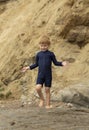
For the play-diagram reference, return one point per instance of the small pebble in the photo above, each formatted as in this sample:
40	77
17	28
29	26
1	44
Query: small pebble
12	123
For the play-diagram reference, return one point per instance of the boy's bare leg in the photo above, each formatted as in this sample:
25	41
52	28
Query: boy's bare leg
47	90
39	91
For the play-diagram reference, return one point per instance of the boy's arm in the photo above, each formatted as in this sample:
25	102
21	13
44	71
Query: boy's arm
31	66
57	63
34	65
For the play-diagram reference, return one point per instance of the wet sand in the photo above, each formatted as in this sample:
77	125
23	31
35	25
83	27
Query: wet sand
13	116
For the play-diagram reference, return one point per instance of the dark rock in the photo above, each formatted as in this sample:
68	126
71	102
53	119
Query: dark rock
72	36
3	0
78	36
12	123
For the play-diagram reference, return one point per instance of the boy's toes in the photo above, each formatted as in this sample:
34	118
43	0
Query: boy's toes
48	107
41	104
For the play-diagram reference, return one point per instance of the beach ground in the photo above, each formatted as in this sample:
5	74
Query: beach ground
14	116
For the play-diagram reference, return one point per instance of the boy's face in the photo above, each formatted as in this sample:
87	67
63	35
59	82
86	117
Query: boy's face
44	47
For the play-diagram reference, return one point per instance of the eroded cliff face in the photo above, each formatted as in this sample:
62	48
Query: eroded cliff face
23	22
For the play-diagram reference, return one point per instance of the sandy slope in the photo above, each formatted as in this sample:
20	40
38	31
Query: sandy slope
21	25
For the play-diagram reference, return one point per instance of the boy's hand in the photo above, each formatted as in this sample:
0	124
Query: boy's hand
25	68
64	63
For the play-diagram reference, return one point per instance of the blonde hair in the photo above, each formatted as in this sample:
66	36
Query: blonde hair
45	40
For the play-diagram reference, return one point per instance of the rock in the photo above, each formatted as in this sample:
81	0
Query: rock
72	36
70	105
23	99
12	123
78	36
3	0
77	94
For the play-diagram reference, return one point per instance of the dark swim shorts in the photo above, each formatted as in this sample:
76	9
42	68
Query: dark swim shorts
44	80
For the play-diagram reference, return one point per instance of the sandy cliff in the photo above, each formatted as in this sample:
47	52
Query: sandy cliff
21	25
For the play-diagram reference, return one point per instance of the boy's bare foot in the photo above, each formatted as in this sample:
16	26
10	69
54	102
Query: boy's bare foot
41	104
48	107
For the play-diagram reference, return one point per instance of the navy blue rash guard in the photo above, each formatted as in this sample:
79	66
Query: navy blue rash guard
44	61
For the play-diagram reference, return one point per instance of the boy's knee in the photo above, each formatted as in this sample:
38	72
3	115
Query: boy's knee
38	88
47	90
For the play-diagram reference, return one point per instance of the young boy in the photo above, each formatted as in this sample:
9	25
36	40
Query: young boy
44	60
